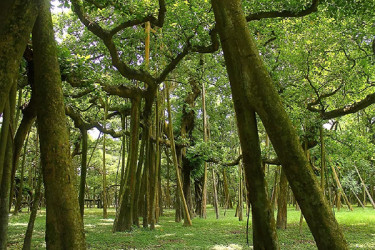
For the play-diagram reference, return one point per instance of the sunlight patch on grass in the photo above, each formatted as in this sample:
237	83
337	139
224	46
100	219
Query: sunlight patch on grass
365	246
18	224
359	224
105	224
164	235
110	220
230	247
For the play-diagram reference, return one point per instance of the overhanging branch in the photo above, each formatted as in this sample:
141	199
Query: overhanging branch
284	13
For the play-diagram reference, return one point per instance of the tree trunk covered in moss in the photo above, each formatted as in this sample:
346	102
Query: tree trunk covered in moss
28	119
252	88
64	225
138	185
152	178
282	204
124	216
155	154
145	185
4	137
82	183
16	22
124	150
7	166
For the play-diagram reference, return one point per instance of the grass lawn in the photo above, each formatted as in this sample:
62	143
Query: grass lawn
224	233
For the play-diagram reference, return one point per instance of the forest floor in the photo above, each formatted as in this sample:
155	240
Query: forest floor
225	233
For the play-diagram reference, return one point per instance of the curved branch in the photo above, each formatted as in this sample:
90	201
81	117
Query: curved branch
106	37
284	13
310	105
172	65
349	109
225	164
214	46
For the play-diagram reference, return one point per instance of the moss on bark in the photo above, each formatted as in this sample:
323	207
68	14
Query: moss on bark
251	81
64	225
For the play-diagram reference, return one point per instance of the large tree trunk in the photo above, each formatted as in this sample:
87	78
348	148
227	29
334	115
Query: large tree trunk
64	225
28	119
252	88
17	18
124	217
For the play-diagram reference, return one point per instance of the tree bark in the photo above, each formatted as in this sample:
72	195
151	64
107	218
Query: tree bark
252	88
124	217
137	195
64	225
282	205
155	184
104	174
82	184
7	167
322	159
17	18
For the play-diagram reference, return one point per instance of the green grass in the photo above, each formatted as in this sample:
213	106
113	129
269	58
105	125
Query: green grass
226	232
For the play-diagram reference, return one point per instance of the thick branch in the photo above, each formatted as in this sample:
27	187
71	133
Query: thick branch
172	65
214	46
106	37
226	164
83	125
80	94
310	105
349	109
285	13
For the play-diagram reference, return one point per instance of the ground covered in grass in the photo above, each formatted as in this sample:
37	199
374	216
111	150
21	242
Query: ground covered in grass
225	233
